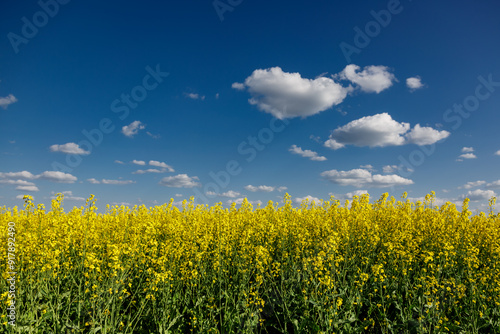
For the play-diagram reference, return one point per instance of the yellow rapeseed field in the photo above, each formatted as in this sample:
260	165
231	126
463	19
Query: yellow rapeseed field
385	266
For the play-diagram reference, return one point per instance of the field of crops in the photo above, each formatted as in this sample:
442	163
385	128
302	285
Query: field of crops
384	266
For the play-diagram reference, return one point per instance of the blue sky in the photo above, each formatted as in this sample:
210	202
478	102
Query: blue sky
138	103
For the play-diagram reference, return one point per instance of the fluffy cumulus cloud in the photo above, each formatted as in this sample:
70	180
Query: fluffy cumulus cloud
479	195
195	96
414	83
390	169
27	188
161	165
149	170
69	148
306	153
180	181
58	177
381	130
466	156
494	184
309	198
287	95
18	175
112	182
372	79
133	128
473	184
364	178
139	162
7	100
262	188
467	149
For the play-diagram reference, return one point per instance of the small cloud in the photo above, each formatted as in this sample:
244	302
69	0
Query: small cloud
282	188
217	96
117	182
119	162
494	184
364	178
7	100
27	188
367	167
18	175
356	193
161	164
306	153
68	195
259	188
69	148
139	162
12	141
466	156
93	181
230	193
497	152
180	181
58	177
309	198
178	195
195	96
133	128
467	149
389	169
372	79
238	86
414	83
149	170
479	195
152	135
472	184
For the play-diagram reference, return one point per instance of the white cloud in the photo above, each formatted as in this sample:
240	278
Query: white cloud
479	195
133	128
389	169
356	193
467	149
306	153
494	184
27	188
93	181
230	194
368	167
180	181
372	79
425	135
16	182
195	96
238	86
414	83
58	177
18	175
309	198
259	188
149	170
473	184
364	178
282	188
5	101
117	182
288	95
139	162
119	162
152	135
381	130
161	164
238	201
69	148
178	195
497	152
466	156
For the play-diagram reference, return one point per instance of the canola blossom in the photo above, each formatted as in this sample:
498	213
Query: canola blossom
387	266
